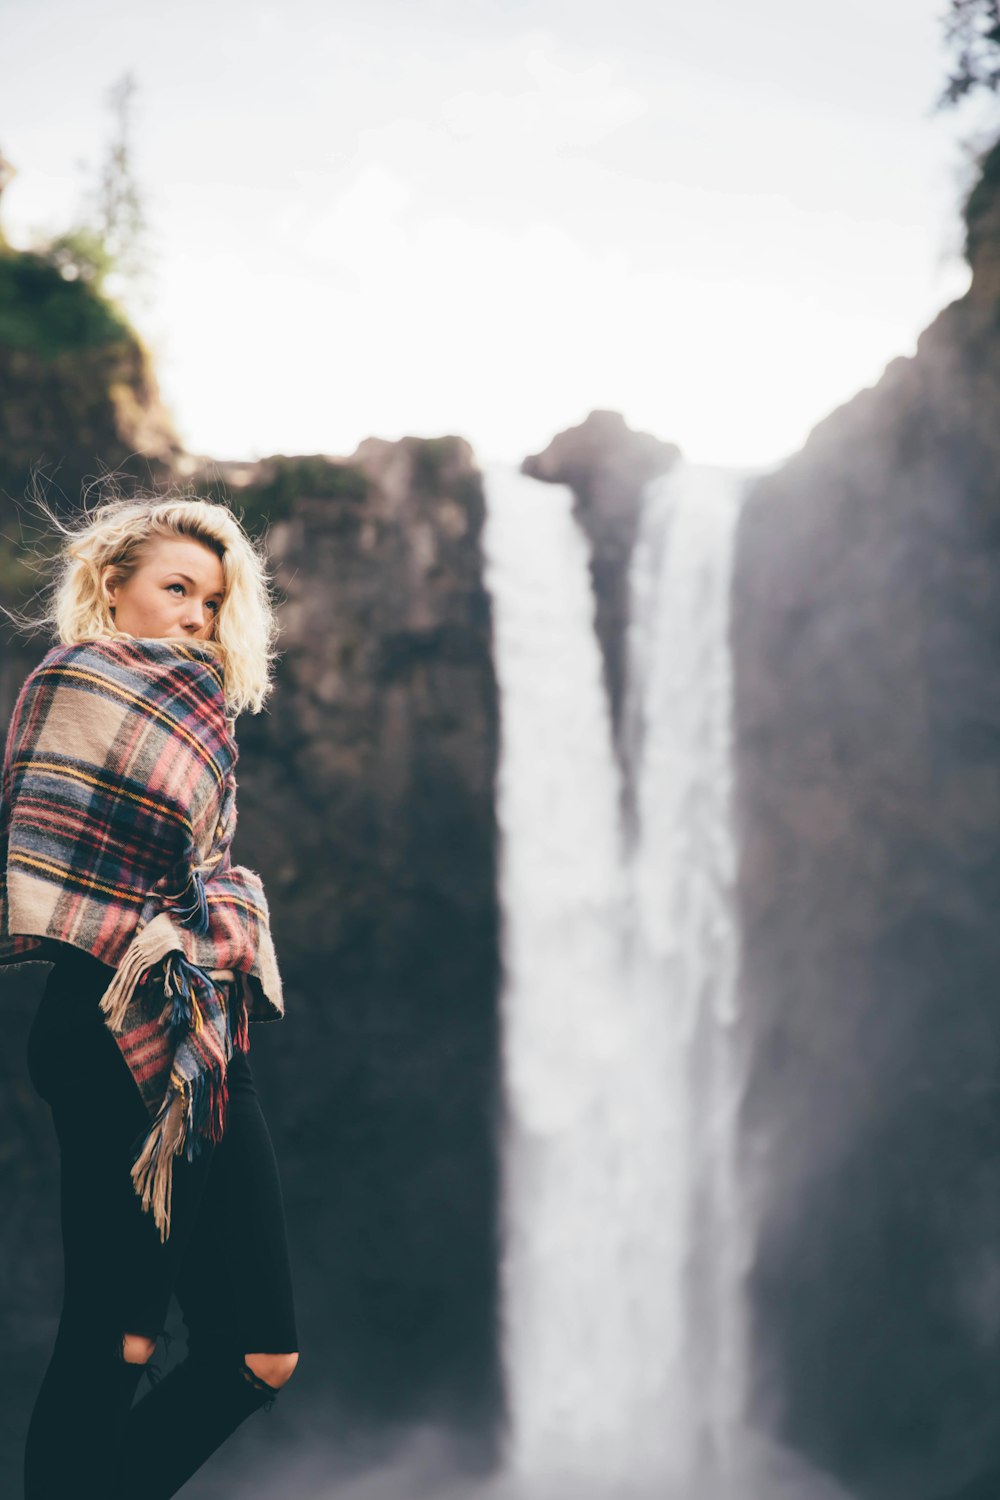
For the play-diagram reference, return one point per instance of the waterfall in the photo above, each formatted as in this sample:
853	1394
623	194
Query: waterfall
685	949
625	1238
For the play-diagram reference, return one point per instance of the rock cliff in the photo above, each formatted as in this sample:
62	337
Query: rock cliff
606	465
866	617
369	789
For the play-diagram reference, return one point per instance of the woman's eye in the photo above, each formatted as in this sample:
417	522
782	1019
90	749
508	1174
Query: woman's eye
213	603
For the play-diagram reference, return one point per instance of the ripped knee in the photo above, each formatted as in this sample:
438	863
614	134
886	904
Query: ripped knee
272	1369
136	1348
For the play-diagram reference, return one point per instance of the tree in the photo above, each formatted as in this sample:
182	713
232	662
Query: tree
110	239
972	28
7	173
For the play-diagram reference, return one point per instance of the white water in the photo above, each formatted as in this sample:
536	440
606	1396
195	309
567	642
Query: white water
625	1235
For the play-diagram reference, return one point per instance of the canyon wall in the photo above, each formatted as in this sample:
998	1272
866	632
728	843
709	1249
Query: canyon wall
865	632
367	791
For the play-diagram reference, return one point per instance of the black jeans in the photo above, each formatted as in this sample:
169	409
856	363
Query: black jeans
225	1260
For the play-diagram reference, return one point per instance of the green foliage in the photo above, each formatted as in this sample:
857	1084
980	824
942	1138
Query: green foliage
43	312
7	173
81	254
273	498
121	218
109	239
972	29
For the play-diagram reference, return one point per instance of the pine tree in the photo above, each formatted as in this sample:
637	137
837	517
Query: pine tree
110	238
972	28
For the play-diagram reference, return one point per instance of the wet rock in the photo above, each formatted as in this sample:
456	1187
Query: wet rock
866	616
606	464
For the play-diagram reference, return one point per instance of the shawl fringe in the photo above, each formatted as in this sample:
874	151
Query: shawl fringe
146	949
193	1109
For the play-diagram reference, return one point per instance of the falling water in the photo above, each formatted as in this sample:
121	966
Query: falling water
625	1239
685	938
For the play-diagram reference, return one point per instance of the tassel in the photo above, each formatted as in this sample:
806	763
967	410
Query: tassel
191	1112
193	913
214	1127
185	982
236	1013
146	948
152	1172
185	1014
241	1039
209	1098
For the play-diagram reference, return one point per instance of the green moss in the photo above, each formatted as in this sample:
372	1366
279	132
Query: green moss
42	312
314	477
273	499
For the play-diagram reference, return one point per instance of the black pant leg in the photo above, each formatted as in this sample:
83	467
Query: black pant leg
243	1221
234	1287
117	1276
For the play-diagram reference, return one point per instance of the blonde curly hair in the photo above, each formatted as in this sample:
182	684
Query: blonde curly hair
109	542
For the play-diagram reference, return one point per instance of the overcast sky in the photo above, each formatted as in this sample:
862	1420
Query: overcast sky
721	218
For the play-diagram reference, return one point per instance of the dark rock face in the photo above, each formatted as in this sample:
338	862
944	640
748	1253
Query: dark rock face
865	633
606	465
368	790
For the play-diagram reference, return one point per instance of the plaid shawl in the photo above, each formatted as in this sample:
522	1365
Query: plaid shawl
117	812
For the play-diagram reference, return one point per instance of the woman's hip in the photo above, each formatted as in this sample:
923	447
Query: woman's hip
68	1040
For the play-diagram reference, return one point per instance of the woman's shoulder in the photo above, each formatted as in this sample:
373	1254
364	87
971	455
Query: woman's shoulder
92	685
136	671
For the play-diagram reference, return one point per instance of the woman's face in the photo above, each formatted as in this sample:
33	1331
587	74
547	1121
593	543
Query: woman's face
177	591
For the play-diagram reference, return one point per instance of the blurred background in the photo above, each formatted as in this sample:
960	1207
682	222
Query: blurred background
615	391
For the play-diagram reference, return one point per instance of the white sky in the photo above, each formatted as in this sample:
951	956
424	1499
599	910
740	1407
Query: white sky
721	217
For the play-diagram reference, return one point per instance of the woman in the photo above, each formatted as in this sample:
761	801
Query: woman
117	811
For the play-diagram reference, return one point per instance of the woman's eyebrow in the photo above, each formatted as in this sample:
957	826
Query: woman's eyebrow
187	579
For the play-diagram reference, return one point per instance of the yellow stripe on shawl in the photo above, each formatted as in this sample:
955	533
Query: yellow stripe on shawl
206	662
137	700
93	779
27	862
227	899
